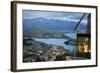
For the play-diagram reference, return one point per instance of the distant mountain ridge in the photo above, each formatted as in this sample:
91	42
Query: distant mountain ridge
50	24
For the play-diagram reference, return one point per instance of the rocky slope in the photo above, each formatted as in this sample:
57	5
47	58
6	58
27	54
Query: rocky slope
36	51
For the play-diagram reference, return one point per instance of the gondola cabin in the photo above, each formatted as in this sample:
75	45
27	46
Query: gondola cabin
83	45
83	48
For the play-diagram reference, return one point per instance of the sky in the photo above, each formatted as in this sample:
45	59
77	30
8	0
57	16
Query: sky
57	15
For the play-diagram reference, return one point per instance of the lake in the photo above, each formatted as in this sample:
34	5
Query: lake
59	42
71	35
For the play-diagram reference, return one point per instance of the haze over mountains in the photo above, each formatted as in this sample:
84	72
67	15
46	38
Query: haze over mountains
51	24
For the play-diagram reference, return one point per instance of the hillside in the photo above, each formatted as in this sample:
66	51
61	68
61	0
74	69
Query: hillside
36	51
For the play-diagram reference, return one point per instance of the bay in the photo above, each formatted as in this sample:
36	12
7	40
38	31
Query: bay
58	42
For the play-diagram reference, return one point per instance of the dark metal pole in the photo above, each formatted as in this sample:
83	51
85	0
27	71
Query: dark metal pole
89	24
79	22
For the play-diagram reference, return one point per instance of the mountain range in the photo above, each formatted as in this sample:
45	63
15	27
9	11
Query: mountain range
51	24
